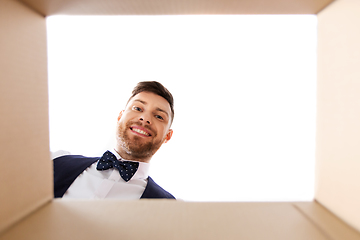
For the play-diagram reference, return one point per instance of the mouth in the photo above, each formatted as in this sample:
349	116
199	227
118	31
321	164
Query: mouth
140	131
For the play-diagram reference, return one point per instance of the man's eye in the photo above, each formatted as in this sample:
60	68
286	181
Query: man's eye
137	109
159	117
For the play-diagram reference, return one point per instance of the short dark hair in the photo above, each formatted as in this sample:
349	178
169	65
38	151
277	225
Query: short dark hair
158	89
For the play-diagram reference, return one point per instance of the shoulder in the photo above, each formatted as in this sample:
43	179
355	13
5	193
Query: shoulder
153	190
75	159
69	164
66	170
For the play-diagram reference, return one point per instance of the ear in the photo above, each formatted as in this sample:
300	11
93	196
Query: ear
120	115
168	135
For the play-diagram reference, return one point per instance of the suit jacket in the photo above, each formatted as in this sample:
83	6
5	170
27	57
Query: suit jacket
68	168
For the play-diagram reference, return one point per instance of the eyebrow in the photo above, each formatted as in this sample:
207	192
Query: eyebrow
157	109
160	110
143	102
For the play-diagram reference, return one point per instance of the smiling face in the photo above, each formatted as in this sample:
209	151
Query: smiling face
143	126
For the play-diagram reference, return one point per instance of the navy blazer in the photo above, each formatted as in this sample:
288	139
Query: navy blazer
68	168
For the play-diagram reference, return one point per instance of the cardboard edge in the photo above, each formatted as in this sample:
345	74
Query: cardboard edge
56	7
326	222
51	219
309	218
33	8
24	215
338	111
23	39
324	7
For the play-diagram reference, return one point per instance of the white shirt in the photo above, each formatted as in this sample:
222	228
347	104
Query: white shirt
95	184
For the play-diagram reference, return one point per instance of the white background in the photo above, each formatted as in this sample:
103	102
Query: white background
244	90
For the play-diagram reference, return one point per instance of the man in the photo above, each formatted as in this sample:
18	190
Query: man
122	173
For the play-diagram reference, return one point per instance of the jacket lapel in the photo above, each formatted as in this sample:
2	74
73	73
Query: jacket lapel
152	190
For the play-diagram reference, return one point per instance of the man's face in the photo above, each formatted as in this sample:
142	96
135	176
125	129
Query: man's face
143	126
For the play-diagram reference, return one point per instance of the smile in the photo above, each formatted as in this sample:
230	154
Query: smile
137	130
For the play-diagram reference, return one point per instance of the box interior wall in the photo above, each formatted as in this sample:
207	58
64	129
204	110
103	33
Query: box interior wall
26	170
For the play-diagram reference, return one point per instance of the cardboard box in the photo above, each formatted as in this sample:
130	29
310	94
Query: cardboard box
27	210
170	219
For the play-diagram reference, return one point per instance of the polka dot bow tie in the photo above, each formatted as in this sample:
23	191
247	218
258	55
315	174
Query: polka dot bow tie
126	169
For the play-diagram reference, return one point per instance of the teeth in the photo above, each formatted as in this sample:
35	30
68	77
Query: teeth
140	131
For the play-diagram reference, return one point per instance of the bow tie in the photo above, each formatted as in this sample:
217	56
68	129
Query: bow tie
127	169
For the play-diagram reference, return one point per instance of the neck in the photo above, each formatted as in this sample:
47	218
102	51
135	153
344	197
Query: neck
128	156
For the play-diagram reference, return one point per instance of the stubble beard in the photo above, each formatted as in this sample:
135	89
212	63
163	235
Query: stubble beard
135	147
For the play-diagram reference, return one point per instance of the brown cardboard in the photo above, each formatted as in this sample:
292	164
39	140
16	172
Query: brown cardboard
140	7
165	219
24	137
327	222
26	188
338	114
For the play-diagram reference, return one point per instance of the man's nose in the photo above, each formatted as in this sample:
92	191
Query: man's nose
145	118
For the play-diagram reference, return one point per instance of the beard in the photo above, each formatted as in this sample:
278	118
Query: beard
135	146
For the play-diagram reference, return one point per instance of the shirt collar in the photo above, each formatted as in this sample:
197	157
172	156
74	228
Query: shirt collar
143	169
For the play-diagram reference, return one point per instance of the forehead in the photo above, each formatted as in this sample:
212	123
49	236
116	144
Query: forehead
151	100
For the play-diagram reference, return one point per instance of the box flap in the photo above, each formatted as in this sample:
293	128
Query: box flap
25	166
165	219
159	7
338	111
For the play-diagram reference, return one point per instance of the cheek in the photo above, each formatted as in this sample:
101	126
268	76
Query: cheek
124	119
121	124
163	131
129	116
